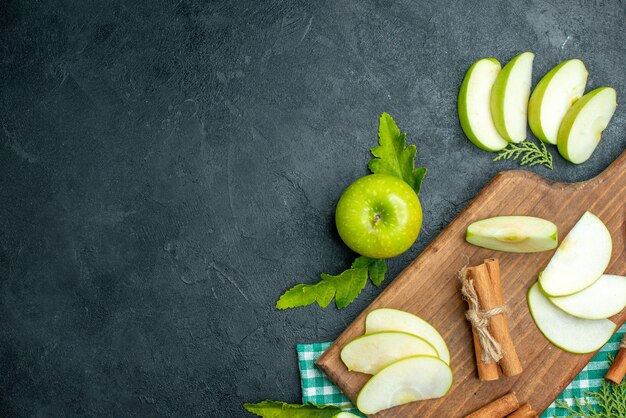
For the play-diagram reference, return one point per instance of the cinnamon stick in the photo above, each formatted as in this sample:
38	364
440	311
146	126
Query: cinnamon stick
489	291
487	370
499	408
618	368
524	411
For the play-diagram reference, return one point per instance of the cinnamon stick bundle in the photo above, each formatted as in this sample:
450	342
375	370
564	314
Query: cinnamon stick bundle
499	408
482	288
486	364
618	368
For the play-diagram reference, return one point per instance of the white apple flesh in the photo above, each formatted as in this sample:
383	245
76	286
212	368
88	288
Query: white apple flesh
603	299
553	96
408	380
372	352
387	319
509	97
345	415
582	126
474	105
514	234
580	260
569	333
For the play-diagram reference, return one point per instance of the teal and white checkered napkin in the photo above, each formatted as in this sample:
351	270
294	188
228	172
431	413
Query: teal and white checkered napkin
316	387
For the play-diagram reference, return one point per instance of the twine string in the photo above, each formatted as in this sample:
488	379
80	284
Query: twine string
491	349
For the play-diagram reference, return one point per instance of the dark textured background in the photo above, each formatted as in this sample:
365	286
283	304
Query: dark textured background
168	169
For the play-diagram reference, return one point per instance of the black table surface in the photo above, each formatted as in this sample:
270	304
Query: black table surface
168	169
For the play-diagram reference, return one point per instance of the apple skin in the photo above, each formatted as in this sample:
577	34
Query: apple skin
379	216
565	129
536	100
464	109
499	93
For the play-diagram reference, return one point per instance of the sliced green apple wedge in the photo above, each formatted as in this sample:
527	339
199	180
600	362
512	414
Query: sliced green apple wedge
603	299
372	352
580	260
553	96
509	97
569	333
582	126
474	105
514	234
387	319
408	380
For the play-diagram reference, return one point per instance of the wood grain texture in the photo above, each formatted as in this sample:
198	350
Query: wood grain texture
429	287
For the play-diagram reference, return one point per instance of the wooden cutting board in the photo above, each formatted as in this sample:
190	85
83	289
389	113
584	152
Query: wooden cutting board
429	287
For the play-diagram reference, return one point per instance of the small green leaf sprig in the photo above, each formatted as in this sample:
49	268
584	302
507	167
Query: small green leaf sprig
528	153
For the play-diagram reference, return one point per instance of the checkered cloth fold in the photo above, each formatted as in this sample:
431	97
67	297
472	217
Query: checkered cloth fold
316	387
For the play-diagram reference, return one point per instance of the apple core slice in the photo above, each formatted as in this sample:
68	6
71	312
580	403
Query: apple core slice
407	380
580	260
509	97
514	234
553	97
387	319
474	105
603	299
582	126
372	352
575	335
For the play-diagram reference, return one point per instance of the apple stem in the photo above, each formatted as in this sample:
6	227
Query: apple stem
377	219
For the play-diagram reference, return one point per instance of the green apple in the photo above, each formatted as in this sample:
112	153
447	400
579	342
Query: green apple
387	319
603	299
509	97
345	415
580	260
379	216
553	96
584	122
575	335
514	234
372	352
408	380
474	105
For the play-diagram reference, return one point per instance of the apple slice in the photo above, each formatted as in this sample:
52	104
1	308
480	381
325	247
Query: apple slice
474	105
387	319
553	97
514	234
407	380
372	352
575	335
345	415
582	126
580	260
509	97
603	299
